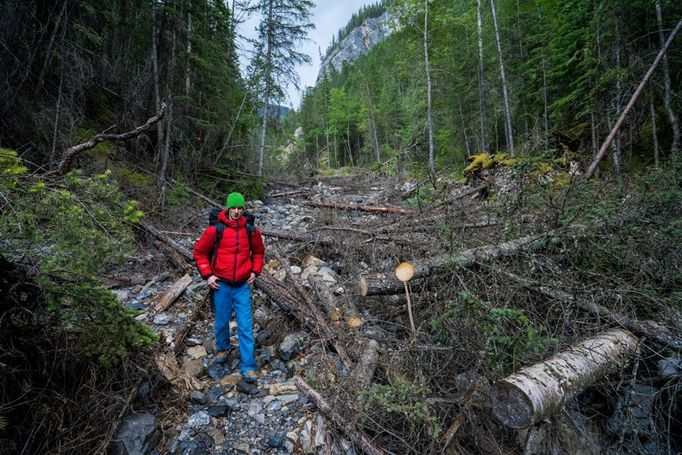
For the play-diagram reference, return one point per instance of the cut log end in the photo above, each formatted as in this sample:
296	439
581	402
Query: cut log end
362	286
511	406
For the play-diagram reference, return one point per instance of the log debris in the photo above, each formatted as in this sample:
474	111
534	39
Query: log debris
386	283
147	226
538	391
358	438
362	208
649	329
179	340
171	295
72	151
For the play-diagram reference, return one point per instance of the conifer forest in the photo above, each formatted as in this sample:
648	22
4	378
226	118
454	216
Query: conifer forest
472	223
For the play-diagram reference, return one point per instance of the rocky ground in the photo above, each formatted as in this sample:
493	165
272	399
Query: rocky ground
224	414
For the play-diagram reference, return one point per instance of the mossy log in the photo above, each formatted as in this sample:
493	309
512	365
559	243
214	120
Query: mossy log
538	391
387	283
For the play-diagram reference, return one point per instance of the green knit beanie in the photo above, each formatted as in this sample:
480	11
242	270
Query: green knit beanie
234	200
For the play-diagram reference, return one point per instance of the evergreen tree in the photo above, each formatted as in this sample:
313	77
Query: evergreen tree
284	25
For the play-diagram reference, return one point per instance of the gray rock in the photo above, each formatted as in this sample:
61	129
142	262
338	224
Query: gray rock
276	440
247	388
137	434
219	410
215	393
292	345
200	419
670	366
197	397
121	294
162	319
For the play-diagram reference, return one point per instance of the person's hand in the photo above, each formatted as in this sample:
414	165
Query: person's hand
251	279
213	282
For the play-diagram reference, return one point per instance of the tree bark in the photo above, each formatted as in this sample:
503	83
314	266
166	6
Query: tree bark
71	152
165	239
387	283
358	438
361	208
155	73
429	107
539	391
672	117
505	88
367	364
604	147
481	79
172	293
188	67
179	340
649	329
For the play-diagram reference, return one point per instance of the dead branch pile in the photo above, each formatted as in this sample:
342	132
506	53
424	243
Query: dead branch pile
477	320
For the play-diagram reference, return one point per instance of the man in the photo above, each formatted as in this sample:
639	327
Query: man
233	267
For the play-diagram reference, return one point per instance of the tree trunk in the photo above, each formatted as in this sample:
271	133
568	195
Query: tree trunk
505	88
266	94
53	151
364	371
654	132
481	80
155	74
674	124
429	107
188	67
539	391
165	157
387	283
362	208
631	103
172	293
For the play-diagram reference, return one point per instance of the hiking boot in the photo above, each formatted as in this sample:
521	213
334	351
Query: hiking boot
250	376
221	356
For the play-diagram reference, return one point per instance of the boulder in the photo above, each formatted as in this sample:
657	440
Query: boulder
137	434
292	345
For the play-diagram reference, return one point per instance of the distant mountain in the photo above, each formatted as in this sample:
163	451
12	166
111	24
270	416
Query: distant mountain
358	42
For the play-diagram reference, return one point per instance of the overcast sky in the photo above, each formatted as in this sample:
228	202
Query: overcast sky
328	16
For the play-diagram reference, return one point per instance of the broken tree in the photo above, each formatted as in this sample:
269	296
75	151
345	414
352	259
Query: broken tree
538	391
387	283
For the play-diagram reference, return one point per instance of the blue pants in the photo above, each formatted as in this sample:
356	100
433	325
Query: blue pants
226	298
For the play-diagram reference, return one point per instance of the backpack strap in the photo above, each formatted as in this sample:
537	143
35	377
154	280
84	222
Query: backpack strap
219	228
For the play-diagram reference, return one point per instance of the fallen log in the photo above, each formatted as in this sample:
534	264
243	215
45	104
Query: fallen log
361	208
71	152
364	371
538	391
304	237
179	340
358	438
173	256
387	283
147	226
650	329
171	295
289	193
199	195
311	308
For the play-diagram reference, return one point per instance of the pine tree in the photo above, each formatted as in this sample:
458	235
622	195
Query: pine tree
284	25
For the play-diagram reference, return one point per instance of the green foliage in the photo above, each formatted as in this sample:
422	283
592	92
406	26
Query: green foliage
71	229
510	336
401	397
178	194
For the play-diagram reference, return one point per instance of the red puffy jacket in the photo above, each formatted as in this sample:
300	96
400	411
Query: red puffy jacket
234	260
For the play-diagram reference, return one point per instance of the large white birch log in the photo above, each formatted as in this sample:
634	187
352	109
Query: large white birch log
538	391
